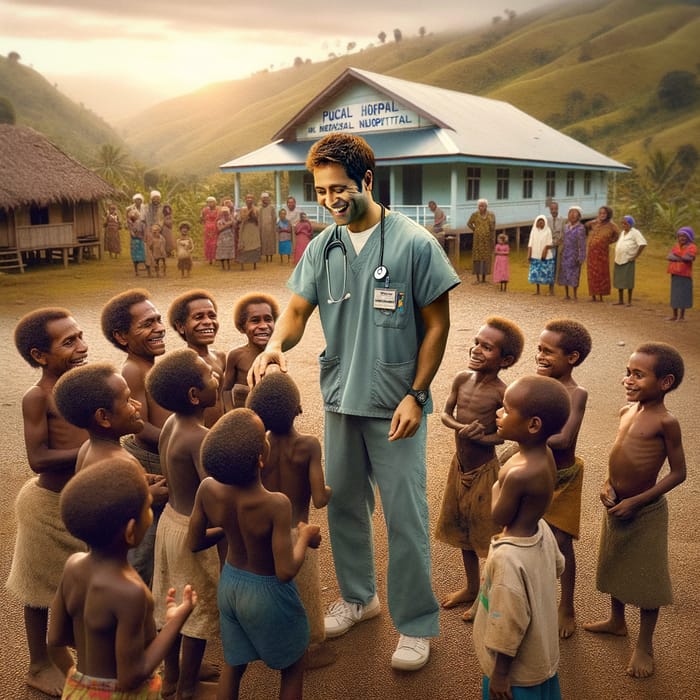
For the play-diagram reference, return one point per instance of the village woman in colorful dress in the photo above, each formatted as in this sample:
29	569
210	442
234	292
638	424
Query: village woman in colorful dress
680	267
573	253
112	228
209	216
602	233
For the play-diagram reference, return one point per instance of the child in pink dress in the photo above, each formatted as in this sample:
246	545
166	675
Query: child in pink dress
501	266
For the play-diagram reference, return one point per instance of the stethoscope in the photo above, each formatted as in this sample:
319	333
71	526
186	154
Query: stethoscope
380	272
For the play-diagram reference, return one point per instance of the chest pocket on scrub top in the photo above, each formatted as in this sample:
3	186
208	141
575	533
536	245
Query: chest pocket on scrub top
396	317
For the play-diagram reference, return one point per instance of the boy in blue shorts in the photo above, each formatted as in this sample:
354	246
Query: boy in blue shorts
261	615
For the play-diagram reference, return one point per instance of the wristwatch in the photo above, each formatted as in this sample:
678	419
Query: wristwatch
420	395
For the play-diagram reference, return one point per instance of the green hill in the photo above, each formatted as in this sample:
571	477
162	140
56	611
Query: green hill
75	129
591	69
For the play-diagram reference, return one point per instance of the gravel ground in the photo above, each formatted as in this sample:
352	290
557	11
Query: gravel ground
591	666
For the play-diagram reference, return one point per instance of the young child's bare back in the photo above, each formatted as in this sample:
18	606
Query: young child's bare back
294	467
102	607
261	560
185	383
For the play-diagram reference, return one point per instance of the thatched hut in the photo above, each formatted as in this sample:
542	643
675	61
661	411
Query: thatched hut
48	201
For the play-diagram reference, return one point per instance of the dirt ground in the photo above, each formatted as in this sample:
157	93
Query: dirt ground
591	666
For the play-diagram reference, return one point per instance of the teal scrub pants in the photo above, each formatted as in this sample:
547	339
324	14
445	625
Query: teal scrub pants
359	457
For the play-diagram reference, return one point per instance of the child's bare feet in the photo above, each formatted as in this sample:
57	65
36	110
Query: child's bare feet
48	679
641	664
463	595
567	623
471	613
319	655
608	626
209	671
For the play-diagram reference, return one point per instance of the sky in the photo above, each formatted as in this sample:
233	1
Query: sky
118	57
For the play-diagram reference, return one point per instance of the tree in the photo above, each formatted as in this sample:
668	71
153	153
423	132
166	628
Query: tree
397	35
13	57
7	111
496	19
351	45
381	36
421	32
677	89
298	61
112	164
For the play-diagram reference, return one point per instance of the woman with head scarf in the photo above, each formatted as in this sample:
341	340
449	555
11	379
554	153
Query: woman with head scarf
540	253
680	267
603	231
573	252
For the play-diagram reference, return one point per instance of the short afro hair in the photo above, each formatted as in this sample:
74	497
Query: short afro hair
351	152
116	314
31	332
668	361
574	337
170	380
99	501
180	308
513	339
232	449
546	399
277	401
84	390
240	310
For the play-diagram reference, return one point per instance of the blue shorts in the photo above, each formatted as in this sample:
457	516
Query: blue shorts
261	617
549	690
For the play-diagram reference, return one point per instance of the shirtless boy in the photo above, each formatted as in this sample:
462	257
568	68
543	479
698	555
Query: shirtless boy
261	614
294	467
470	410
563	345
184	383
254	315
132	323
51	340
102	607
633	554
194	317
515	628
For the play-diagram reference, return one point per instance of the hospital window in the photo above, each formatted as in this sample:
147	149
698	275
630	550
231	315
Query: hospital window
528	180
570	182
550	180
587	179
502	182
473	182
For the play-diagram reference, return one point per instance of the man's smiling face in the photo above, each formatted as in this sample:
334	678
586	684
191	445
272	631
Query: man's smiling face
338	193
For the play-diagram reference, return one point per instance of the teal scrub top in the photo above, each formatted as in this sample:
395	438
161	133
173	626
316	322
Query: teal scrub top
370	357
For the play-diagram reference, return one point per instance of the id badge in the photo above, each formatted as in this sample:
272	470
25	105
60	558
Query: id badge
385	299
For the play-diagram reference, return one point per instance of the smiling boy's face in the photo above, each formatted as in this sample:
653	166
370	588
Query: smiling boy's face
146	335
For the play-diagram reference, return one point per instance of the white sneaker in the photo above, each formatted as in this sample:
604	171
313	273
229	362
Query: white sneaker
342	615
411	653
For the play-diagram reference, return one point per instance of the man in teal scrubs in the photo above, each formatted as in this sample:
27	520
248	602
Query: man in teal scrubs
380	282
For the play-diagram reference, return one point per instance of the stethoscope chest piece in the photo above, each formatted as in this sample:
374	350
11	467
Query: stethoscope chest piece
380	273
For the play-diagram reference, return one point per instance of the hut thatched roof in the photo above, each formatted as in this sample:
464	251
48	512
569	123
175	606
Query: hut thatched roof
34	171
